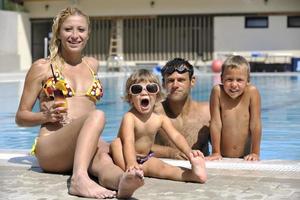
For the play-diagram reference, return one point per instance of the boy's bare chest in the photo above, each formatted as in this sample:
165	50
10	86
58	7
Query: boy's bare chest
147	128
235	111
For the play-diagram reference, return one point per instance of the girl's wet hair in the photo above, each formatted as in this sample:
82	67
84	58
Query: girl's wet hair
139	76
55	43
236	61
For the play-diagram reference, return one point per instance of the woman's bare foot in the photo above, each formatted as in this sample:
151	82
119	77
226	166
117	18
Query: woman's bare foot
82	185
198	168
129	182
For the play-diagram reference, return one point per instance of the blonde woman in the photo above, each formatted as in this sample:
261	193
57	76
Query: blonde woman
71	126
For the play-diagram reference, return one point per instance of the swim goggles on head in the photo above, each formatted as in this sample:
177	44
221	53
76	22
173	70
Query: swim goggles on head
151	88
170	69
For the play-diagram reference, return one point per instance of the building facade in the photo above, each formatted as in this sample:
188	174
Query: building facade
145	32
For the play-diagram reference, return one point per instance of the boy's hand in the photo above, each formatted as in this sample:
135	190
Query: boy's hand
214	156
133	166
251	157
138	172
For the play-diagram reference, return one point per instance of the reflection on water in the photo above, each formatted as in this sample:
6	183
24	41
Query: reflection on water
280	112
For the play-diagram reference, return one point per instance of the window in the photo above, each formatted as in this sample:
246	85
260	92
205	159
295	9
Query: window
256	22
293	21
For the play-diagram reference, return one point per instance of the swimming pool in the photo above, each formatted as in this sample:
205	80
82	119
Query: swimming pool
280	94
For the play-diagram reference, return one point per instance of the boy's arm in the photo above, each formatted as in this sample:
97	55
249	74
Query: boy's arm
215	127
255	124
126	135
175	136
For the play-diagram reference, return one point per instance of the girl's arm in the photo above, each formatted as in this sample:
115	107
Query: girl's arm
215	124
127	137
255	124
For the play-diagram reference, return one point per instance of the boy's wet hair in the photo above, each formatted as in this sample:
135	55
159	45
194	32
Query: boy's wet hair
171	66
139	76
235	61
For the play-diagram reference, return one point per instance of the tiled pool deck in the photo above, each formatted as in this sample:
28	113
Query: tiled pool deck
21	178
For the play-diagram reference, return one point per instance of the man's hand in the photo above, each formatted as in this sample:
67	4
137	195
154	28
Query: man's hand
251	157
214	156
176	154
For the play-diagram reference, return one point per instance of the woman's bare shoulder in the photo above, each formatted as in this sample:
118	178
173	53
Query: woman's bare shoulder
39	68
92	62
40	64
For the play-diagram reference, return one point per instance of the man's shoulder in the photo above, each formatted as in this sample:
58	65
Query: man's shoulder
200	110
200	105
159	108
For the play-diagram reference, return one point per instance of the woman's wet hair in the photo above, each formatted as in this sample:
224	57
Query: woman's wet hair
55	43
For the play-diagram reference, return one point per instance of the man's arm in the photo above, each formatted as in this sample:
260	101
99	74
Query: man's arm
167	152
255	124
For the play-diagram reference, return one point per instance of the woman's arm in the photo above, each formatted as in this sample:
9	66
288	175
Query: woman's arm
31	90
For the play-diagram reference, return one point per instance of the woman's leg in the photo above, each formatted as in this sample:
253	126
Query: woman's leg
73	146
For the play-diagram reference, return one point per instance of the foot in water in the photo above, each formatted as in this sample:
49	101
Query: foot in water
129	182
82	185
199	168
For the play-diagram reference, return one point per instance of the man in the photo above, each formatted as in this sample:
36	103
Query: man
190	118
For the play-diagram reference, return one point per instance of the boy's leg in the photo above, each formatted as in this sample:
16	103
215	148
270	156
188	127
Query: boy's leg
156	168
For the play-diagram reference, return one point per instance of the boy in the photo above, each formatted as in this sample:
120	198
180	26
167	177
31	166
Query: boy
132	148
235	126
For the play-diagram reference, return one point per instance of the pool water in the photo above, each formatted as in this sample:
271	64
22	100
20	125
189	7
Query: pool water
280	95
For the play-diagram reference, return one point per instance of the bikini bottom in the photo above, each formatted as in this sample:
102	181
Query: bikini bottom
143	159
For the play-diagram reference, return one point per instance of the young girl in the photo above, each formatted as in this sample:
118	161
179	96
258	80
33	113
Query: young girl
132	148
